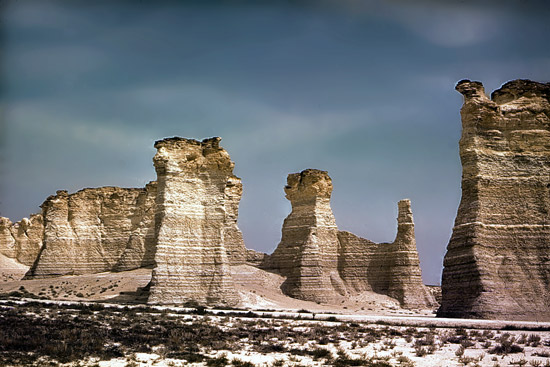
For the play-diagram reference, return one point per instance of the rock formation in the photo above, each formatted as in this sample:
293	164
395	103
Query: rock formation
196	195
498	259
96	230
22	241
405	277
308	252
233	237
322	263
113	229
185	227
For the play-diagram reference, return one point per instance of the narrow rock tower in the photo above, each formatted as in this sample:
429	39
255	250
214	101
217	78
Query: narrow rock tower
190	223
308	252
405	277
497	263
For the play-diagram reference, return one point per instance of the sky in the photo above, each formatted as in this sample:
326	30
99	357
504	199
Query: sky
361	89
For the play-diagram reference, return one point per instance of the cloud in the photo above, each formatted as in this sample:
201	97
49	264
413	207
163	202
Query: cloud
443	23
449	25
262	126
54	61
44	122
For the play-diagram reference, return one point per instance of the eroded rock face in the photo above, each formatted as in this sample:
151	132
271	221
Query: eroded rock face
196	195
96	230
22	241
308	252
405	277
498	259
322	263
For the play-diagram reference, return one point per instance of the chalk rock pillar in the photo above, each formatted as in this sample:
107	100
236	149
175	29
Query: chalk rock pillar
497	263
405	276
191	258
308	252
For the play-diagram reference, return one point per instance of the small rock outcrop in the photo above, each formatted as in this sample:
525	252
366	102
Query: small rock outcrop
22	241
96	230
322	263
497	263
195	211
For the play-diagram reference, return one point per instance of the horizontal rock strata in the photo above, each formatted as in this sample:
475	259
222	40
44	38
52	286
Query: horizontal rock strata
497	263
322	263
96	230
193	206
308	252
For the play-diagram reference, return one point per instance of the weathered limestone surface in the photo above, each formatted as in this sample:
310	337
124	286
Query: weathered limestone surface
113	229
22	241
193	205
405	277
308	252
96	230
498	259
322	263
387	268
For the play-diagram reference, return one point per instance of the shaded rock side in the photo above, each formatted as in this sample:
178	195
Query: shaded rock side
322	263
308	252
233	237
191	260
96	230
22	241
497	263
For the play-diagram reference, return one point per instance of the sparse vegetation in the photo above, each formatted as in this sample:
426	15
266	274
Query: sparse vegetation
49	334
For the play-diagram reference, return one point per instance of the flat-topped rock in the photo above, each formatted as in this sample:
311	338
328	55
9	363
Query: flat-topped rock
196	207
96	230
497	263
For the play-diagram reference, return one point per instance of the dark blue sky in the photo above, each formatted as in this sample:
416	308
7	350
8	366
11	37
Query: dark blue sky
362	89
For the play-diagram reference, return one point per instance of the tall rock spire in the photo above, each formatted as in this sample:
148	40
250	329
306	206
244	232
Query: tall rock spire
191	260
497	263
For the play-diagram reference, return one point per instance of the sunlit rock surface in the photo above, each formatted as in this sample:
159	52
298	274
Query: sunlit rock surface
96	230
498	259
194	203
22	241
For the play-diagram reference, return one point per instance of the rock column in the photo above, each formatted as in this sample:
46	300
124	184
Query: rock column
308	252
405	277
497	263
191	218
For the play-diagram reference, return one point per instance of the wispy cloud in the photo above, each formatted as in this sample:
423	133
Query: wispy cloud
45	122
443	23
